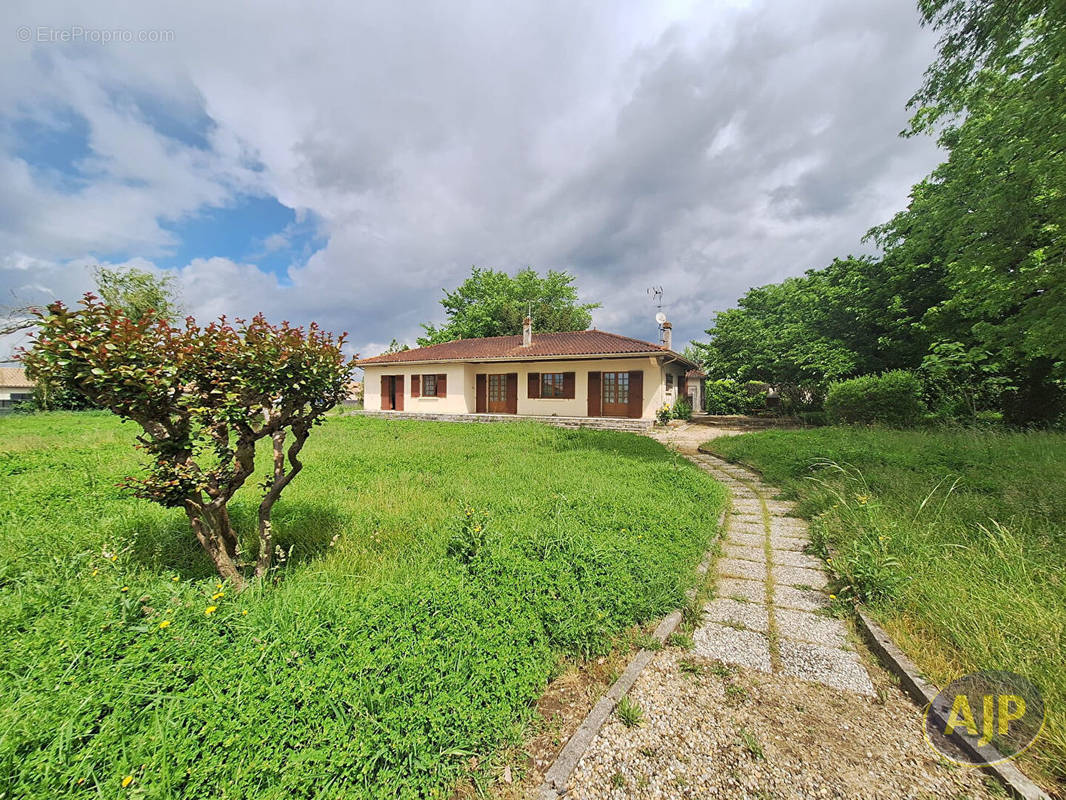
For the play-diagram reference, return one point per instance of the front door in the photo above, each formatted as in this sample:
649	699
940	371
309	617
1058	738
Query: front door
392	392
615	394
496	394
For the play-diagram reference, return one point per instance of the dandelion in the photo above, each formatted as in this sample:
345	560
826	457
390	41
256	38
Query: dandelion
114	557
125	588
211	609
862	498
96	572
164	624
127	781
218	585
175	579
217	595
244	613
832	597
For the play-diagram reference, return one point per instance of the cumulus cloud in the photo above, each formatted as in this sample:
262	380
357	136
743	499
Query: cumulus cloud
706	148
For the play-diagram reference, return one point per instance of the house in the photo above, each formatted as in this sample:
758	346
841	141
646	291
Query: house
578	374
15	388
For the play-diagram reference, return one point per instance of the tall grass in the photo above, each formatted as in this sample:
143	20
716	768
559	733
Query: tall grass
956	540
394	651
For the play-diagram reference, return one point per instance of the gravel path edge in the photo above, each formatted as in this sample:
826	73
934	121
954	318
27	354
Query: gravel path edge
555	779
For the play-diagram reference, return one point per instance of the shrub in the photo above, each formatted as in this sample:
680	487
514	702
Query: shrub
203	397
728	396
682	409
892	398
663	415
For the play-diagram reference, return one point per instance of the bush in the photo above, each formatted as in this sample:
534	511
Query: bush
728	396
889	399
663	415
682	409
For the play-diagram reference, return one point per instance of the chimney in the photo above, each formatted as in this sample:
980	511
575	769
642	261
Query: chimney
668	337
527	332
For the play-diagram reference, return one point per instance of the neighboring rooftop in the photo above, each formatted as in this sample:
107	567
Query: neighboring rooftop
15	378
506	348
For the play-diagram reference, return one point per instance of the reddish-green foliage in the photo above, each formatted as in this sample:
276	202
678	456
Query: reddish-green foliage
203	395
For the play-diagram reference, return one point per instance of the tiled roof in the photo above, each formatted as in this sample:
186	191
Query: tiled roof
695	373
15	378
574	343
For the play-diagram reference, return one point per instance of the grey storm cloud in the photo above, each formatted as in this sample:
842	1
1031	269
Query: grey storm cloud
707	148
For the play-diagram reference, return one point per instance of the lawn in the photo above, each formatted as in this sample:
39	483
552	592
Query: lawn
438	574
956	540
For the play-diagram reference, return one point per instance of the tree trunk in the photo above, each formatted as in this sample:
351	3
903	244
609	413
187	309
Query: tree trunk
280	481
215	533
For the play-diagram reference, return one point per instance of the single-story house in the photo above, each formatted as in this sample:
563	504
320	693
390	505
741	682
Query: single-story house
15	388
577	374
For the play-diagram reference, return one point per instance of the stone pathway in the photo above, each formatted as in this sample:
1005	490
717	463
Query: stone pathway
769	613
775	698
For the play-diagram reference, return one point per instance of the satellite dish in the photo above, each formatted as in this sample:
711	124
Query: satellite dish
660	317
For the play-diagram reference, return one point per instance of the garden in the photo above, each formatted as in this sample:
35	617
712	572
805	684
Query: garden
431	579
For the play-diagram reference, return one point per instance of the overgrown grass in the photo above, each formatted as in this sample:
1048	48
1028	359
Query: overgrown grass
395	645
955	539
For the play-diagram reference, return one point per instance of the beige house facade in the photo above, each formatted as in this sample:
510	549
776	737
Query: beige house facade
15	388
578	374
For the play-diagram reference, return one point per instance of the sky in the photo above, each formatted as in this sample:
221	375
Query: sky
346	162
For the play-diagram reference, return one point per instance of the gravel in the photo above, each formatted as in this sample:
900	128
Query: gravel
727	611
732	646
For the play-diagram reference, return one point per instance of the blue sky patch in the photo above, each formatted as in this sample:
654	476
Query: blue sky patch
54	146
256	230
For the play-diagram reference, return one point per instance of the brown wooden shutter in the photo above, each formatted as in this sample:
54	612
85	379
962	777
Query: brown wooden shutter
512	392
416	386
533	386
569	389
442	386
386	400
594	394
636	394
481	391
399	392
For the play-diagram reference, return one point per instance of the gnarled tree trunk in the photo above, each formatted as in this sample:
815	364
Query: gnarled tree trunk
212	526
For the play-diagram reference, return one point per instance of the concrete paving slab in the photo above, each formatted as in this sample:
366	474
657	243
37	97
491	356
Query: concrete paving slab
726	611
751	591
814	628
830	666
737	568
798	576
743	648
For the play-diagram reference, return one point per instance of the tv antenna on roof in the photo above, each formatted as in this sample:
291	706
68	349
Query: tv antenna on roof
656	292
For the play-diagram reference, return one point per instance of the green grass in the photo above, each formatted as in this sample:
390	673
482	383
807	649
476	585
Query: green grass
956	540
437	574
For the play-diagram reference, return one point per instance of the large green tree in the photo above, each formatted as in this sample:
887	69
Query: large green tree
493	303
138	292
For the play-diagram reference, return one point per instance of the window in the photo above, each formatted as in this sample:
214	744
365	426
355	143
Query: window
669	381
616	388
551	384
429	385
497	388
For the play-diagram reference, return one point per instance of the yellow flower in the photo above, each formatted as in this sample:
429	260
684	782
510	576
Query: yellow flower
125	588
211	609
114	557
217	595
164	624
175	579
96	572
244	613
832	597
862	498
127	781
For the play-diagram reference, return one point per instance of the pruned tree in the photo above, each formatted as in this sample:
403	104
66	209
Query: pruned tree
203	397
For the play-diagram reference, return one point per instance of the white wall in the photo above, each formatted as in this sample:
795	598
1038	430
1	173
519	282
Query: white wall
461	398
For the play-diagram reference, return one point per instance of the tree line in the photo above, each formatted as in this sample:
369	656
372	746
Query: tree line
969	290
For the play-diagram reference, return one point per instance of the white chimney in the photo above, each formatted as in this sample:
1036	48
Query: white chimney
527	332
668	337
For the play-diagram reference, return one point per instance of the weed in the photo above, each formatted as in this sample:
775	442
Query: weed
690	667
648	642
681	640
736	694
749	742
618	780
723	670
629	712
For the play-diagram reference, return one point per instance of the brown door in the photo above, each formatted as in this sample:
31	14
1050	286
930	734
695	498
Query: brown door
392	392
636	394
397	393
480	394
502	393
594	399
615	394
386	393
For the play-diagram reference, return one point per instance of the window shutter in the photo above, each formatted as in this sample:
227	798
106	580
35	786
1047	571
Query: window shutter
594	406
399	392
442	386
416	386
533	385
569	389
480	393
635	409
512	392
385	404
